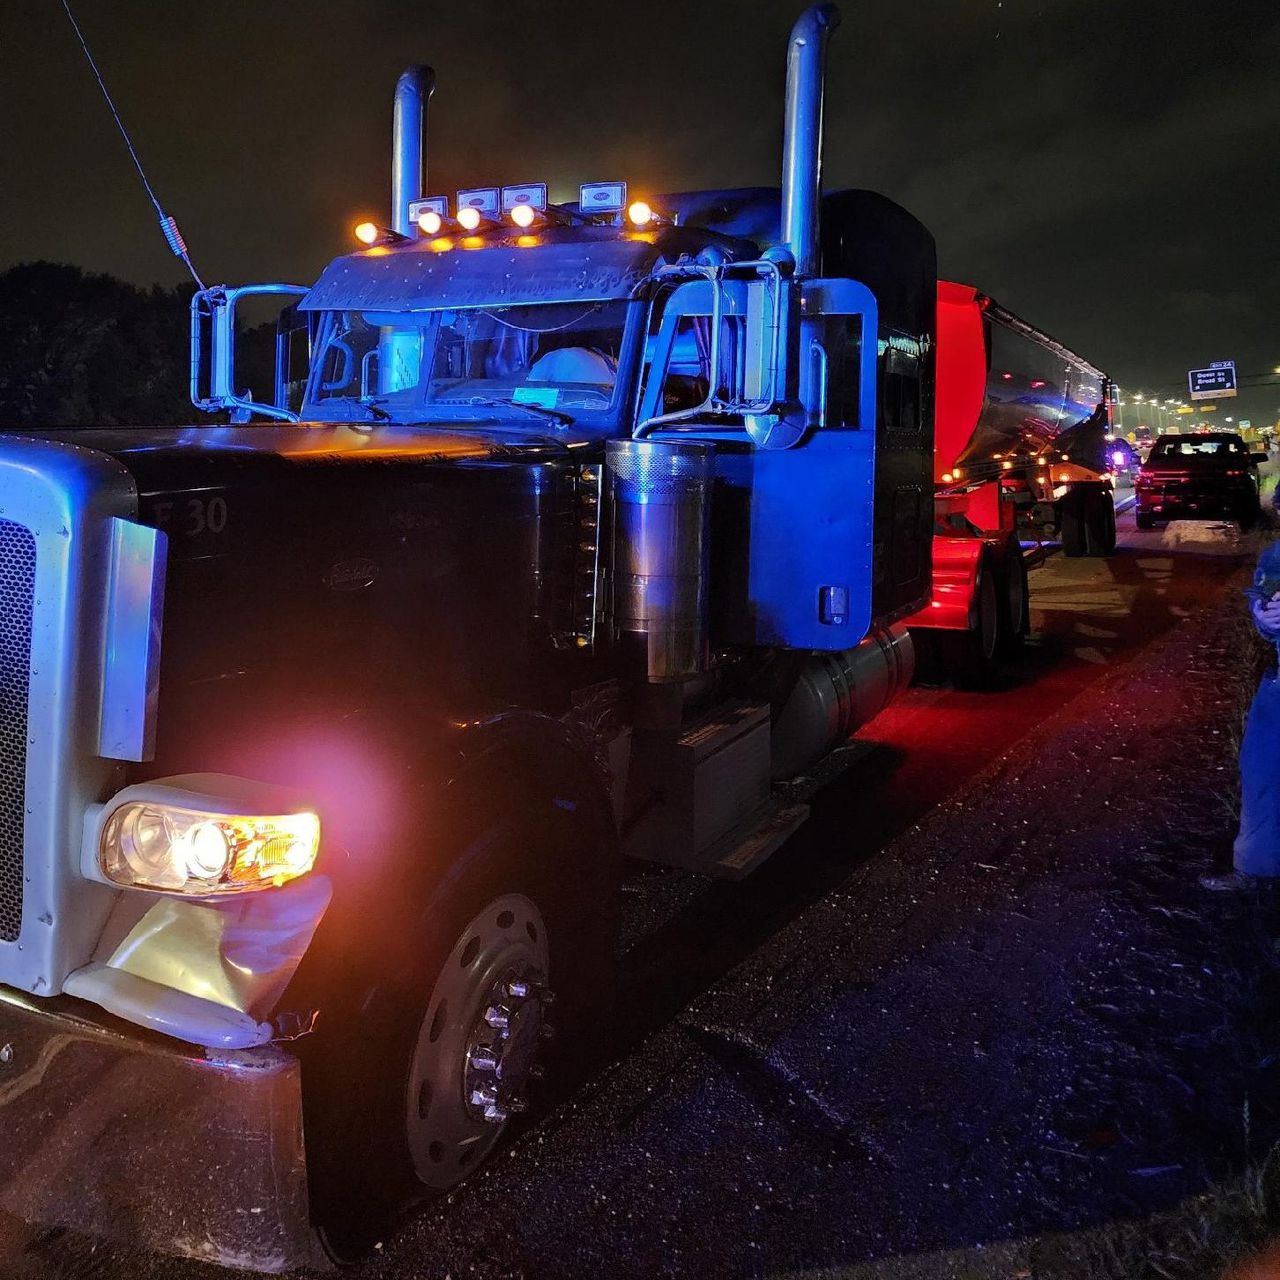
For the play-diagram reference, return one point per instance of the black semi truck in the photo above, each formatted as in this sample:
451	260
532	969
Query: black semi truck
565	533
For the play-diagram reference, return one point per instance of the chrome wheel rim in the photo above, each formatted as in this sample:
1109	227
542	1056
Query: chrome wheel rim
477	1047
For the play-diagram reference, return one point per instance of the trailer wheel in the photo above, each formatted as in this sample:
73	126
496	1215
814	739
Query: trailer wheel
438	1061
969	657
1099	523
1015	613
1071	525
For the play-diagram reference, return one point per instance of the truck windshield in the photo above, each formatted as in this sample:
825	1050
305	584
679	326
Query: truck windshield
558	358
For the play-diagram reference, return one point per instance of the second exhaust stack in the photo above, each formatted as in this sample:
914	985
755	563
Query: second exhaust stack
408	134
802	133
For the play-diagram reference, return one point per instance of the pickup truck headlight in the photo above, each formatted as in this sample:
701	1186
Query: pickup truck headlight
164	838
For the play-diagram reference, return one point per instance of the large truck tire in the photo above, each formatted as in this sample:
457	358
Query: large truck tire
970	658
1071	527
1015	602
440	1057
1099	523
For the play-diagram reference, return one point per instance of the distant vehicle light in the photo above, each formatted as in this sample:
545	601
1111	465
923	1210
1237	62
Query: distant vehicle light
430	222
947	477
1118	458
640	214
469	218
1006	465
366	232
959	475
523	215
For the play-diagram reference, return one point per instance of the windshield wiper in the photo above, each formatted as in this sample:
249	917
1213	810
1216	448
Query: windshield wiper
560	418
374	405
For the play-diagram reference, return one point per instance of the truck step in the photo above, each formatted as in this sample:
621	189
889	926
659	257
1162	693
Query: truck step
740	851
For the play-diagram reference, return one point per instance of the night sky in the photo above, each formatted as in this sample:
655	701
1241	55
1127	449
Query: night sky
1107	168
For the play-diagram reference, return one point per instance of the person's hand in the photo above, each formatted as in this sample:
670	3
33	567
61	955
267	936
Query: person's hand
1267	613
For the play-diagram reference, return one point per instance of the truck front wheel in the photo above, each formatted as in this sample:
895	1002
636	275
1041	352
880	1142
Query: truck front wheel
426	1065
475	1060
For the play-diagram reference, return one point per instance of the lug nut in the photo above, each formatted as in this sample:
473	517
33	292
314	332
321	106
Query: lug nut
547	1031
517	989
483	1098
496	1016
484	1060
494	1113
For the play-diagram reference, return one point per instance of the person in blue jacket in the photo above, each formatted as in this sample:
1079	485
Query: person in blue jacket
1257	847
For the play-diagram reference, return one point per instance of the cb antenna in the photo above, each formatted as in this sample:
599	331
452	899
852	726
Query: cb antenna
168	225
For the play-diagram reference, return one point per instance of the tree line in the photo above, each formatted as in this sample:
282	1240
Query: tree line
78	349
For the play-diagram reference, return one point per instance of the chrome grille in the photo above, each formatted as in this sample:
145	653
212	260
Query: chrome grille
17	594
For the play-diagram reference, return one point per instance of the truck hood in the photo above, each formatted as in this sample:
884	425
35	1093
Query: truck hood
183	457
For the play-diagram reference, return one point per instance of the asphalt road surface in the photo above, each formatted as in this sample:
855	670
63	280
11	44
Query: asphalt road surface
867	1054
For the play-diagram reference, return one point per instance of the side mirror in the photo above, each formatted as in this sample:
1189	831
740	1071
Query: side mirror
214	385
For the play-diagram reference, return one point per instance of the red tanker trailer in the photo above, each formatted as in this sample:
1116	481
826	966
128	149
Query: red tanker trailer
1020	454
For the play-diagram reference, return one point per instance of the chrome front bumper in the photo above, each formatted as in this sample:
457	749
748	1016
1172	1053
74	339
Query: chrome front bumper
130	1137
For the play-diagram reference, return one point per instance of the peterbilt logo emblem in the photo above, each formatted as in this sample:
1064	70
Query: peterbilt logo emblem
351	575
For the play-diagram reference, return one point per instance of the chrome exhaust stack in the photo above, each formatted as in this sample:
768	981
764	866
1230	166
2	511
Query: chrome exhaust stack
802	133
408	135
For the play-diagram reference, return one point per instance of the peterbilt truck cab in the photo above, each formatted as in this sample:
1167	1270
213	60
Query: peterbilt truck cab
583	528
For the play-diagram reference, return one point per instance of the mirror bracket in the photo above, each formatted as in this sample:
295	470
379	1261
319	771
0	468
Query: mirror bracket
215	307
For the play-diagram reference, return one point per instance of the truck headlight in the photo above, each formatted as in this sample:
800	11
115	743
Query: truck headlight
174	839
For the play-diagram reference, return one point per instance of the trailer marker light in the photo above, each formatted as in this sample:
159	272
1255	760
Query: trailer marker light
366	232
469	219
430	222
640	214
523	215
947	477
